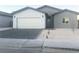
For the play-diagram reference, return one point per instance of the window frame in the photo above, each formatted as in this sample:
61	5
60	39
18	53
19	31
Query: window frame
65	20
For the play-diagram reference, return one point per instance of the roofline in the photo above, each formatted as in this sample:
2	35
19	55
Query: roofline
25	9
68	11
5	14
49	7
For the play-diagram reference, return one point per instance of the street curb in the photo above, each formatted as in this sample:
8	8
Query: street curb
73	49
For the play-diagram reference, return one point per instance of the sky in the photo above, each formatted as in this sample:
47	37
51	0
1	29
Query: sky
13	5
11	8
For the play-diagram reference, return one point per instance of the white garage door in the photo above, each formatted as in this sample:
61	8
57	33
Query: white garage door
30	22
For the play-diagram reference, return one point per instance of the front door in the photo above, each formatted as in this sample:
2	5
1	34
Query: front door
49	22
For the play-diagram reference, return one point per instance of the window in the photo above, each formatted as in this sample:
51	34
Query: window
65	20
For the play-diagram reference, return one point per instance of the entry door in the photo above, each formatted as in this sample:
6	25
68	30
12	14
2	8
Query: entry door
50	22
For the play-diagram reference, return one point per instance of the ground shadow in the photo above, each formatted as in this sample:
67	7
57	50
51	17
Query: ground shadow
21	33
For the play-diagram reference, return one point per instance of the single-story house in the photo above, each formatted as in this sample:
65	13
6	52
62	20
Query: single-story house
45	17
5	19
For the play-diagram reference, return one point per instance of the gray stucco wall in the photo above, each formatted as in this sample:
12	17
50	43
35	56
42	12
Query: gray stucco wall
58	20
5	21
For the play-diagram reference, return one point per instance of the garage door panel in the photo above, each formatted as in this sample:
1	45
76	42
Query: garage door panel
30	22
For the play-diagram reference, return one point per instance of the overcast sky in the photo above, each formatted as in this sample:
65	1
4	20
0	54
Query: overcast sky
13	5
11	8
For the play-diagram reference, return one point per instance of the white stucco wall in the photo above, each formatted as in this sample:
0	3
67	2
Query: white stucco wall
29	19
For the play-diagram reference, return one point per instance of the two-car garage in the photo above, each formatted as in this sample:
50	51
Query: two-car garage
29	19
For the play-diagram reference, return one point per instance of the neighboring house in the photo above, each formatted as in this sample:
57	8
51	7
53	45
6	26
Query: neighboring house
45	17
5	19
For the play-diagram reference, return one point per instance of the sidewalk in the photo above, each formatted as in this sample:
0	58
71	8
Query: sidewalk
62	43
25	45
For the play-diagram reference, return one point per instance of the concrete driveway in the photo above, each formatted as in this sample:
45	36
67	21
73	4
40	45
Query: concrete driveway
37	46
40	34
